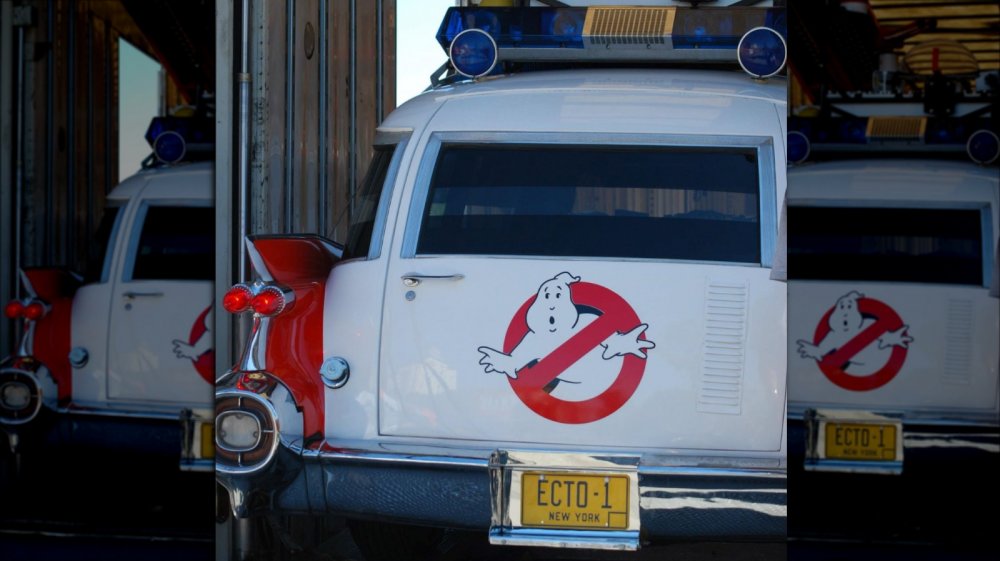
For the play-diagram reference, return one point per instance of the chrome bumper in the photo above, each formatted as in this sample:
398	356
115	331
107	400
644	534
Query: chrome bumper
679	498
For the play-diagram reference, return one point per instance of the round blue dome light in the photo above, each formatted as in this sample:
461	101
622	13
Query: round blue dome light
169	147
762	52
798	147
983	147
473	53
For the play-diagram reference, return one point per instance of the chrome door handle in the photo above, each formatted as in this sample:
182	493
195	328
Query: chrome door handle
131	294
413	279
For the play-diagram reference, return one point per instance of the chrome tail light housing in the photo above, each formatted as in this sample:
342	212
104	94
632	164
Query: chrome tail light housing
20	396
247	432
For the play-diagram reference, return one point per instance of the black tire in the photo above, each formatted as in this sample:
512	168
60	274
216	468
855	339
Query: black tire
382	541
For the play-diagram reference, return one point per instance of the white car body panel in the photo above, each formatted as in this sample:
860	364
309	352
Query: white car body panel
430	386
132	363
950	371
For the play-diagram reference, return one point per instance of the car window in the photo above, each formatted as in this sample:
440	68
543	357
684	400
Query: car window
176	243
930	245
594	201
99	252
362	222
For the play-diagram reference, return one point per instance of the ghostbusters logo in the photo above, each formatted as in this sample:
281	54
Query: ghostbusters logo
860	343
198	347
574	352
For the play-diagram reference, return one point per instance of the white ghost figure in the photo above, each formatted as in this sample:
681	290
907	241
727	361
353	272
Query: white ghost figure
553	318
845	323
204	343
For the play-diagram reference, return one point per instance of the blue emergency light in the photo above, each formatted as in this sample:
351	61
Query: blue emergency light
983	147
647	34
473	53
175	138
798	147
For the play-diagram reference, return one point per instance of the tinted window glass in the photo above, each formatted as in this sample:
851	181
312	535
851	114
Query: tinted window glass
594	201
177	243
359	233
98	256
885	244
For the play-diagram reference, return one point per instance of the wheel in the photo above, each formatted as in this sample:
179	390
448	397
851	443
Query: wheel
382	541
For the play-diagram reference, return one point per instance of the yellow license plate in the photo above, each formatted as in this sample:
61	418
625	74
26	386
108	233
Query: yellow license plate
861	441
207	440
574	500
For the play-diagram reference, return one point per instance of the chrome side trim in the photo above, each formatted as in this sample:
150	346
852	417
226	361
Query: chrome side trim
199	466
604	540
131	414
361	456
243	469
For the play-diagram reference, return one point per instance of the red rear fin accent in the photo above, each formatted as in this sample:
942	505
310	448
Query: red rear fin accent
50	284
290	260
56	288
294	351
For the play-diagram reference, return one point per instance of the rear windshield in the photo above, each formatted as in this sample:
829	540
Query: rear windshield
886	244
594	201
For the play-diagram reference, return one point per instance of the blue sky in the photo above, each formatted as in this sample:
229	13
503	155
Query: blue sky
417	56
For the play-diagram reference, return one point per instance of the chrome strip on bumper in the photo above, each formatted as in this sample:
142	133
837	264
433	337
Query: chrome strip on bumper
692	498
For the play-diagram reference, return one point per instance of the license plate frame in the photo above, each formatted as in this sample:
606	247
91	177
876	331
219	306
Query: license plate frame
512	472
862	442
574	500
852	441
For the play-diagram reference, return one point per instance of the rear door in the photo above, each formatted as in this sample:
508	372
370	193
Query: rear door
891	309
581	290
160	342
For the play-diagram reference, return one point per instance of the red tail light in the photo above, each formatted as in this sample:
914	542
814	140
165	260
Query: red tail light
34	311
237	299
13	309
270	301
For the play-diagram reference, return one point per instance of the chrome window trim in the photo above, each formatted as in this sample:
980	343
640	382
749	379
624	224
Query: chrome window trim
399	141
767	188
109	250
140	220
986	220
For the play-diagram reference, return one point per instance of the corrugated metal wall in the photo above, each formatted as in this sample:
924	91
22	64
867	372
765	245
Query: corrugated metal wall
68	144
323	76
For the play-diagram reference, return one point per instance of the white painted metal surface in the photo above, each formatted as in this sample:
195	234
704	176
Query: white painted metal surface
415	363
132	340
950	369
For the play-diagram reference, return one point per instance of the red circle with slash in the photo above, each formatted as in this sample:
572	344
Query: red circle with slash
834	364
616	316
205	363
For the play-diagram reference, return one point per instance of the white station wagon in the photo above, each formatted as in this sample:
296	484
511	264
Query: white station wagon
553	318
122	357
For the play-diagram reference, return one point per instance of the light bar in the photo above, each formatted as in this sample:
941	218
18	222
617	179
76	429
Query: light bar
172	138
892	134
612	33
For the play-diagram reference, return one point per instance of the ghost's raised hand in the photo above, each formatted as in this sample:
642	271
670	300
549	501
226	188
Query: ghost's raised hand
897	338
808	350
184	350
496	361
621	344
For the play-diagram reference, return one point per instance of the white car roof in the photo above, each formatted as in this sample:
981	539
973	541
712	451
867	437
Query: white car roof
188	181
654	100
893	180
